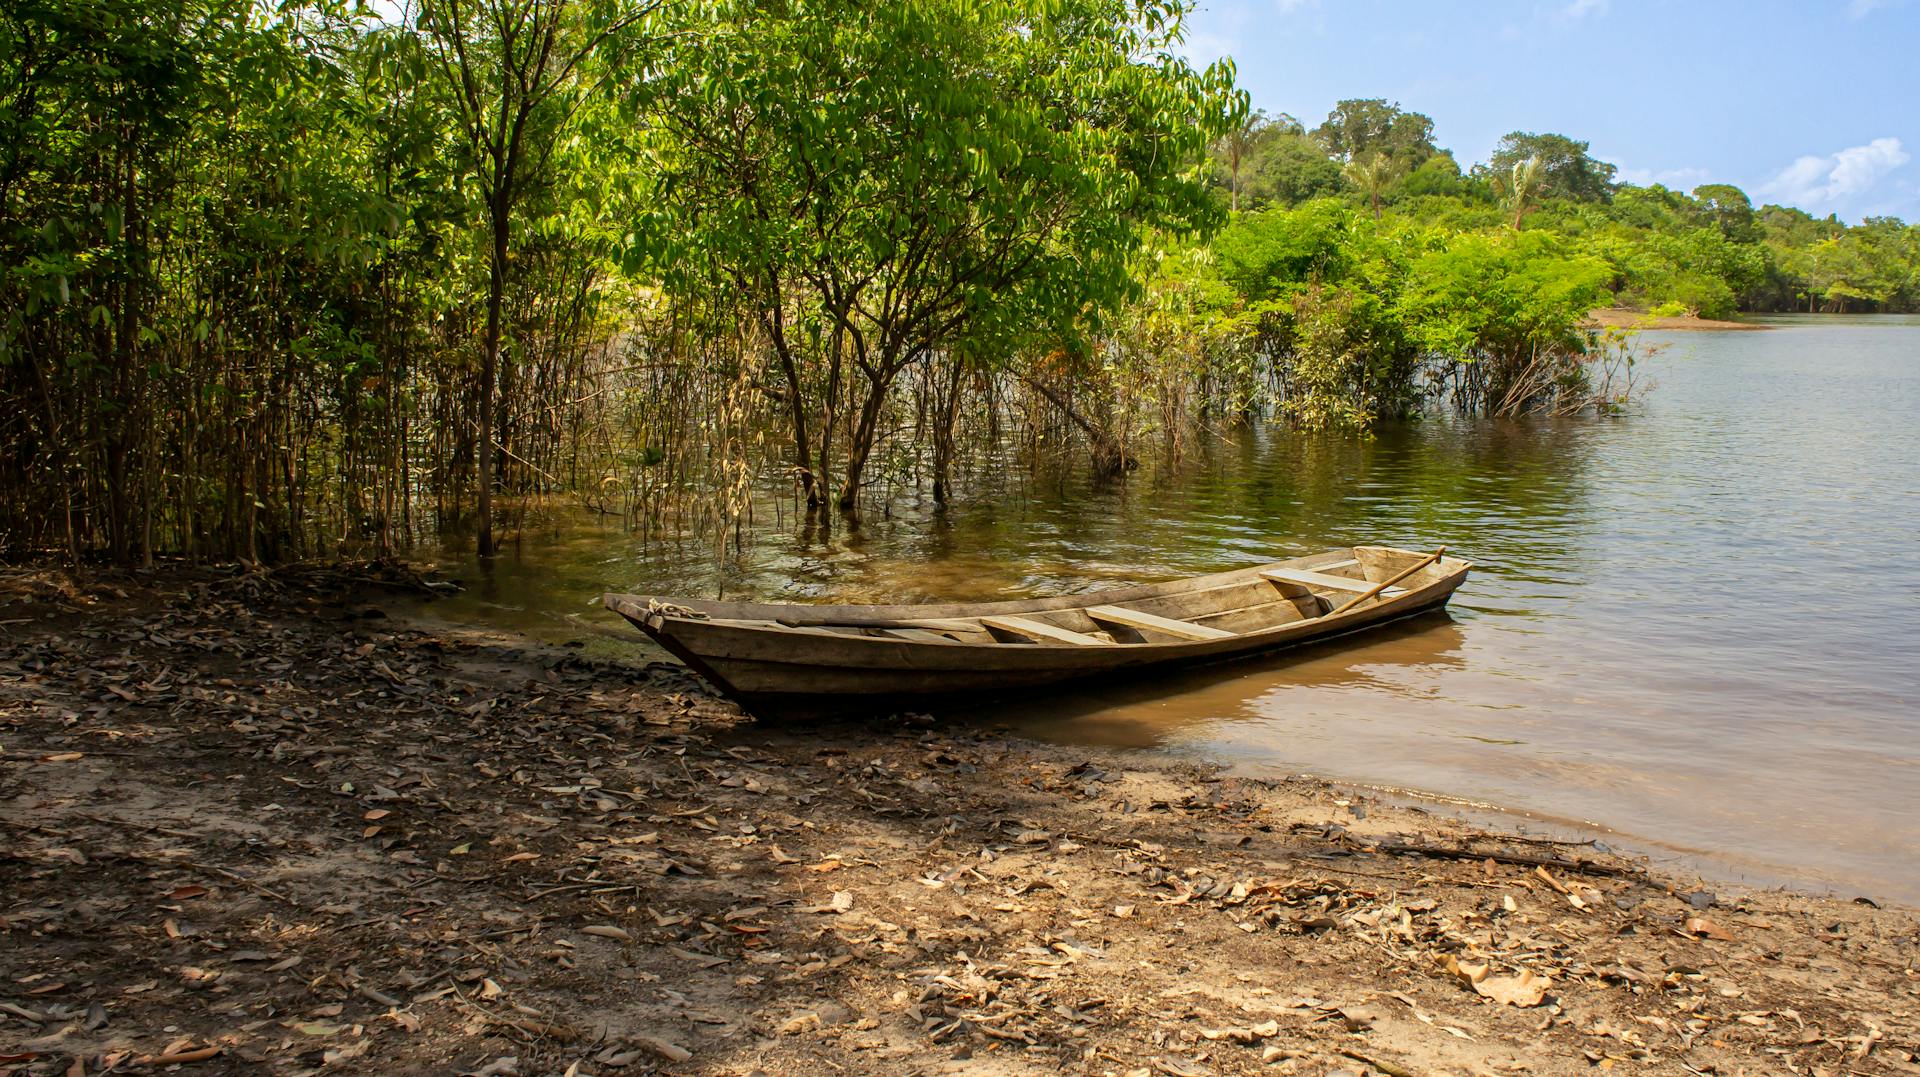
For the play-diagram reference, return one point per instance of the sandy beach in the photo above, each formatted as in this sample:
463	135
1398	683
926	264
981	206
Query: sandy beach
257	823
1623	318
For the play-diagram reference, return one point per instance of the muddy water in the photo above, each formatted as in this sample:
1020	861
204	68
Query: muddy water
1697	624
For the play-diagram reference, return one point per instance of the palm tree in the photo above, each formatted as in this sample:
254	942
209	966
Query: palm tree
1373	174
1234	146
1520	187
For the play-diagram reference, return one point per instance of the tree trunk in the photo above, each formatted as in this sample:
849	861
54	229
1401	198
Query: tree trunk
947	409
1110	457
489	368
796	404
830	410
860	442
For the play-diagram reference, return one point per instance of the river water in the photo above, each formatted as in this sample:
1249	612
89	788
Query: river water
1695	625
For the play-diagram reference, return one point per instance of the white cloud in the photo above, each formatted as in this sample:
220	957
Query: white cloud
1200	50
1817	180
1678	179
1580	9
1288	7
1860	9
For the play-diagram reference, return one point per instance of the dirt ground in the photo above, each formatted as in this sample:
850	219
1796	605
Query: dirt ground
255	824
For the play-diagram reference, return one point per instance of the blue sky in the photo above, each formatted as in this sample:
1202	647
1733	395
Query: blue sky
1813	104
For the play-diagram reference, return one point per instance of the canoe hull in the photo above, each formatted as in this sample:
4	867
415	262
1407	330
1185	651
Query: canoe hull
776	666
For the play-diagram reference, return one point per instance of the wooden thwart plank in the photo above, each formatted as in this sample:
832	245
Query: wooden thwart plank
1326	581
918	635
1022	626
807	630
1136	619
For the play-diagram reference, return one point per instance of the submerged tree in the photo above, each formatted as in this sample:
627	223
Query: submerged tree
516	72
879	185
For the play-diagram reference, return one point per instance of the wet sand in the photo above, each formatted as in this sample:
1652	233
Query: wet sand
260	824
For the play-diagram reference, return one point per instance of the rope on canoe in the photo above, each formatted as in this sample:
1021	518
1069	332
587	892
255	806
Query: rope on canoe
655	607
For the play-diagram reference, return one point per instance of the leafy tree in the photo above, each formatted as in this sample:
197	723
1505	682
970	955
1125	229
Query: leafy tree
1509	308
1271	255
1361	126
1288	166
1727	208
1437	175
1566	169
516	71
884	184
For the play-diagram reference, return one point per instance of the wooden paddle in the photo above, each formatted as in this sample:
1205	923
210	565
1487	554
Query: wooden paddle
1374	591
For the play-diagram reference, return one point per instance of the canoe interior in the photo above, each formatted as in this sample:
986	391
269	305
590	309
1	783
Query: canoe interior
773	656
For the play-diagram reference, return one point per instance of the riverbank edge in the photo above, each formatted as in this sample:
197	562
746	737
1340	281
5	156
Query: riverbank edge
1627	318
290	773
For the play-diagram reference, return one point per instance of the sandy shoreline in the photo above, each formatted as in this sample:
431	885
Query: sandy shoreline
260	823
1624	318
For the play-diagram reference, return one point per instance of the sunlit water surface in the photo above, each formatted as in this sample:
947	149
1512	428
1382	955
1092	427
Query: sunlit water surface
1697	624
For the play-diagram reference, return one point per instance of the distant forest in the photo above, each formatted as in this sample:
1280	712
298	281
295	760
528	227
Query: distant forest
1708	251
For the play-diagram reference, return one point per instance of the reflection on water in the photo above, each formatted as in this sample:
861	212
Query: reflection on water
1696	622
1131	713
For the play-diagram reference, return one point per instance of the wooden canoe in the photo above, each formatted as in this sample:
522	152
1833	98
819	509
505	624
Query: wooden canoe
777	659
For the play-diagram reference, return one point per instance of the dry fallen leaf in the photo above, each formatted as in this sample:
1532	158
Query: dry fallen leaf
404	1019
607	931
799	1023
672	1052
173	1056
1700	926
1526	989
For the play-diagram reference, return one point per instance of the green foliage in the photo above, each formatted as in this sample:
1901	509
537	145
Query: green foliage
1728	209
1361	127
1711	253
1502	298
1351	314
1566	169
1437	176
1274	161
241	281
887	183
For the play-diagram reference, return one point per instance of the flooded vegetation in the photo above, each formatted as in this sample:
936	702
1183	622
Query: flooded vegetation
1677	625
